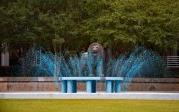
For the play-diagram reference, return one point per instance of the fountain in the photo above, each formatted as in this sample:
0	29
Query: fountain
89	67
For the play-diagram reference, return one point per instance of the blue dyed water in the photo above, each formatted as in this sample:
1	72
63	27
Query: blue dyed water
140	62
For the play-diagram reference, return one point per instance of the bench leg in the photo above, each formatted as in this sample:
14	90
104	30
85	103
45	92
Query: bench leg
91	86
71	86
117	86
64	86
74	86
109	86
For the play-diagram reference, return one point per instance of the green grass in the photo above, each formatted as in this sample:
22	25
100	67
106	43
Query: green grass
88	106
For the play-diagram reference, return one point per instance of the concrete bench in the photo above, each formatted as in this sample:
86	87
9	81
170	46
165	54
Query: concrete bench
69	84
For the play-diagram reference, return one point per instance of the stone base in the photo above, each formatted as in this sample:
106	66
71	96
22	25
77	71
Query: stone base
9	84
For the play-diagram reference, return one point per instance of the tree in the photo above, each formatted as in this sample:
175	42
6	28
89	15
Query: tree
148	23
114	23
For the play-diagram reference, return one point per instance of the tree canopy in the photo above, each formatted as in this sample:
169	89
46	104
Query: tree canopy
77	23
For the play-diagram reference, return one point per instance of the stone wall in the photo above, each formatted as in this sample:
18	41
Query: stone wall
8	84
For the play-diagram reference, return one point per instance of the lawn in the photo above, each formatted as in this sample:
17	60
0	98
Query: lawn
88	106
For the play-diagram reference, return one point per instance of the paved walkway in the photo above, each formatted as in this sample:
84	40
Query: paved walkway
83	95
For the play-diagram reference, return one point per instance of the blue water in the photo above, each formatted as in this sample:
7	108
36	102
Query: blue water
139	62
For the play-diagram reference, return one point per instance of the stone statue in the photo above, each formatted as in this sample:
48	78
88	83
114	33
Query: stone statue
95	59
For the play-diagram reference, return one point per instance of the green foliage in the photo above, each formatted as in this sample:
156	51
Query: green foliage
79	22
134	22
